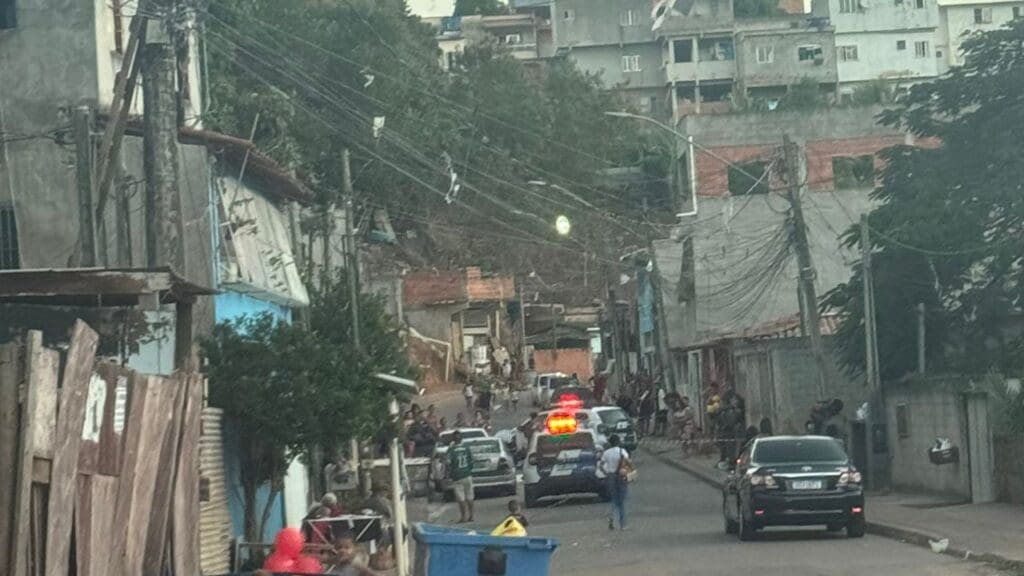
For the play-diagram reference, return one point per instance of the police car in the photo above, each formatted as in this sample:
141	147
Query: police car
561	460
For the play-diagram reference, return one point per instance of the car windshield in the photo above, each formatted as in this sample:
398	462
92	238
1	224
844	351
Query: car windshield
551	445
446	437
613	417
559	382
798	450
479	447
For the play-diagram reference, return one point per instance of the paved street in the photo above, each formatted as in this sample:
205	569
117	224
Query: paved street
676	528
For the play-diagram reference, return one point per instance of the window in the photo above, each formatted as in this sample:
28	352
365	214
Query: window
453	60
683	50
853	172
512	39
631	63
810	53
765	54
901	44
847	6
847	53
921	49
903	420
7	14
628	18
1016	12
741	183
781	451
919	3
982	15
9	252
568	14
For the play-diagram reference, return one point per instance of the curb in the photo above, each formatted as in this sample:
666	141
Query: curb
911	536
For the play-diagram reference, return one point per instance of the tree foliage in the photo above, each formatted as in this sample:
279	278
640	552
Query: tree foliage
318	74
479	7
947	231
288	389
756	8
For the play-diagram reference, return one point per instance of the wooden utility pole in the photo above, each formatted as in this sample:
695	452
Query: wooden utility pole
920	338
807	274
84	182
164	233
870	351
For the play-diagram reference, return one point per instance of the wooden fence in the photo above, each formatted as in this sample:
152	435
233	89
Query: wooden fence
97	457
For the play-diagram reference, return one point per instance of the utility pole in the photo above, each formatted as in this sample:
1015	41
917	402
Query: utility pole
352	253
794	169
164	234
661	326
920	338
82	122
870	349
522	325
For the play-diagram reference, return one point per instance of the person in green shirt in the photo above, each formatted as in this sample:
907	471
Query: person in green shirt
460	471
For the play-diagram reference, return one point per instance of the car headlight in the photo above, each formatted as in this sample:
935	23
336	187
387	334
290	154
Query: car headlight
766	480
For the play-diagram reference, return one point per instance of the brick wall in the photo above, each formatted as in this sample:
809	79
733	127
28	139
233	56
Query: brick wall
481	288
565	360
421	289
713	172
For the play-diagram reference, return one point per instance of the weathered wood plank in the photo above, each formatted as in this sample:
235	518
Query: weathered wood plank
185	513
10	379
157	536
114	413
144	437
68	438
41	367
94	518
138	396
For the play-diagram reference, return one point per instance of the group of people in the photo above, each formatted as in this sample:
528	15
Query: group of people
422	428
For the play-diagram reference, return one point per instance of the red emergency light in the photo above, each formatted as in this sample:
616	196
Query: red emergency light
560	423
570	402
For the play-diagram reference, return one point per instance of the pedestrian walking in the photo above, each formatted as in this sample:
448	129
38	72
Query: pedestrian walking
661	412
460	471
647	407
513	397
467	393
616	465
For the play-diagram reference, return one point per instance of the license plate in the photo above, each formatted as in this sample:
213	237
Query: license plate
807	484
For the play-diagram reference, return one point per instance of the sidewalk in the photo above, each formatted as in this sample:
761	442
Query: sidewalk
985	532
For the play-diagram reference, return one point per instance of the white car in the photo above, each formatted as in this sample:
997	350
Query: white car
438	458
558	464
546	383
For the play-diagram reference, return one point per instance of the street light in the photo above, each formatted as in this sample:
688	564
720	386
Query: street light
562	225
691	163
398	386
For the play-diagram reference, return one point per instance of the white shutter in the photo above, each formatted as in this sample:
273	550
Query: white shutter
214	519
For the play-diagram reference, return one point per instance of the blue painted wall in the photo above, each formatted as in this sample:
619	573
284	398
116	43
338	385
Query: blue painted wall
228	306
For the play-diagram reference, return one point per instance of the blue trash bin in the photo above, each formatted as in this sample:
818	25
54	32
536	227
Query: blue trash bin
444	551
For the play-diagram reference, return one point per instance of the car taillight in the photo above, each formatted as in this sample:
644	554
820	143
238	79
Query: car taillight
849	476
532	460
503	465
766	480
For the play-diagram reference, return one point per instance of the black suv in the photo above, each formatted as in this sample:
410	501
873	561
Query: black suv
793	481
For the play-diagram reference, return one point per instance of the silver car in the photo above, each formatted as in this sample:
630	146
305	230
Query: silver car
493	467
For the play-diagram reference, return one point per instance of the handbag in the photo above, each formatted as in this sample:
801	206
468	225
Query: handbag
626	470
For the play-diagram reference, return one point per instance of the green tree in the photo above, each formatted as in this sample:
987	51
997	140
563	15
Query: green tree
288	389
948	226
756	8
479	7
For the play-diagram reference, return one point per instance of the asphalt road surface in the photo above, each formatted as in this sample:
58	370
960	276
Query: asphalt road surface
675	528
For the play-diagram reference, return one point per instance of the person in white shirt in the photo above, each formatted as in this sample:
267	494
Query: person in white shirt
611	464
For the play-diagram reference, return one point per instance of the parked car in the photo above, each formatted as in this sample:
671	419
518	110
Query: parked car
614	420
493	467
560	464
546	383
793	481
573	397
438	460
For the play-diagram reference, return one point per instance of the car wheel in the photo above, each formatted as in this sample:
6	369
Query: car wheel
855	529
745	529
530	497
731	526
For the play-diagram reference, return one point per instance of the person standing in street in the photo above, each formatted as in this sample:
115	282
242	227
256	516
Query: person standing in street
513	397
614	463
467	393
661	412
460	471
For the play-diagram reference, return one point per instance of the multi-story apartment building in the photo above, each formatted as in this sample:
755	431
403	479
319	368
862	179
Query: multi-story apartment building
958	18
892	40
526	35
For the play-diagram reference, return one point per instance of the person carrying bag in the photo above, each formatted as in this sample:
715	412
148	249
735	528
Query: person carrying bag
619	471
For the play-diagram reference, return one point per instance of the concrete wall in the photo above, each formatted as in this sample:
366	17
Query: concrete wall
565	360
435	321
785	67
606	60
1009	468
887	15
779	379
934	409
957	19
875	27
599	22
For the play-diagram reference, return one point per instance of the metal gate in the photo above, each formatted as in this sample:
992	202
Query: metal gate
214	519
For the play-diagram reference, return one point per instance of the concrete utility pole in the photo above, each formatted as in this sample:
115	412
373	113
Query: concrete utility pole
82	123
522	325
870	351
351	251
920	338
661	326
164	233
794	169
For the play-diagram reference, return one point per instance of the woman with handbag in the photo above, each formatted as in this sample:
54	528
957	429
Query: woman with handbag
619	472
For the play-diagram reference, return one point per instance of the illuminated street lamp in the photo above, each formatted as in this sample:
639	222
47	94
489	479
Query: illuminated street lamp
563	226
